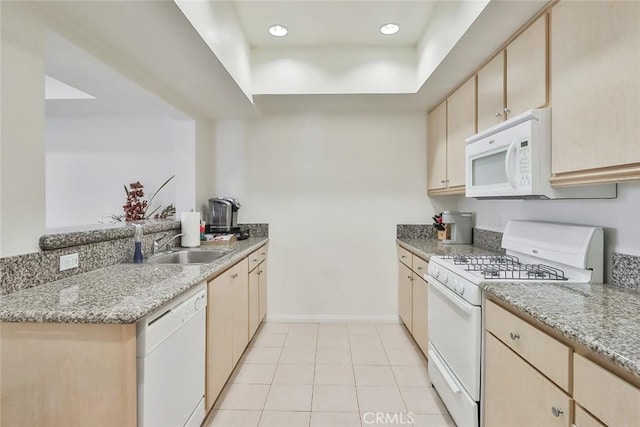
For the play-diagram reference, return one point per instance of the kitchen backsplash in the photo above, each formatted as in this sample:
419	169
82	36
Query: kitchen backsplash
487	239
416	231
96	249
626	271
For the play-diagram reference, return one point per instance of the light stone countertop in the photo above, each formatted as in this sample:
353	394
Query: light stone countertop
426	248
121	293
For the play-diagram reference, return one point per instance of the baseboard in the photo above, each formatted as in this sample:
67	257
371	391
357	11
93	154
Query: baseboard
294	318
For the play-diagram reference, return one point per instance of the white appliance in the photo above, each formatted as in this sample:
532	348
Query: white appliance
535	251
513	160
171	362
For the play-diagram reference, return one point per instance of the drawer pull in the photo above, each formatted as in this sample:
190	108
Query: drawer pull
556	411
263	253
514	335
419	268
402	256
255	260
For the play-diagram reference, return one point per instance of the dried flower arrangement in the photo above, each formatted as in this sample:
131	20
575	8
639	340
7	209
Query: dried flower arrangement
136	208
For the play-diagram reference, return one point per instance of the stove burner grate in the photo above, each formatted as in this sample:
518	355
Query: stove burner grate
506	267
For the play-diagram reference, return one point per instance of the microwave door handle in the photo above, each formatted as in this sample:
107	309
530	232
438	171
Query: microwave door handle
507	164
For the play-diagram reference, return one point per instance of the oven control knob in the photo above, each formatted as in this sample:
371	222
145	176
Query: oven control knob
444	278
435	271
460	289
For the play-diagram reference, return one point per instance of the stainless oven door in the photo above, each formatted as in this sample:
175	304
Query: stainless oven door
455	332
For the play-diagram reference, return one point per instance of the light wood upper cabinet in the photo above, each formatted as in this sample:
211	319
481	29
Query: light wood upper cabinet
491	93
437	148
518	395
595	91
461	124
527	69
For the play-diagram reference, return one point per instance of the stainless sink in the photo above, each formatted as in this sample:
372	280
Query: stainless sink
196	256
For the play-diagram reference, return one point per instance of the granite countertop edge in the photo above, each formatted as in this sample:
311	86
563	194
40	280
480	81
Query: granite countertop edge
14	308
426	248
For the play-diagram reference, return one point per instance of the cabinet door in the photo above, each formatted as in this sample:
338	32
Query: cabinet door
461	124
437	148
595	88
254	302
491	93
527	69
419	321
219	329
405	294
240	295
583	419
518	395
262	290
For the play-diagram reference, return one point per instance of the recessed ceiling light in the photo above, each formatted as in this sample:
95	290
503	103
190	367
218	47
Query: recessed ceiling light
389	29
278	31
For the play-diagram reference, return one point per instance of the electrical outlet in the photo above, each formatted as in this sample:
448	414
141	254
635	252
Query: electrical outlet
67	262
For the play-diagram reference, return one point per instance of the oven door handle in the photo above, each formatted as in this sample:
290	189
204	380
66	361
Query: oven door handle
452	298
433	358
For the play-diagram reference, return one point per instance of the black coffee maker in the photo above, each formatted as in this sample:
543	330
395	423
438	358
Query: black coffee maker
223	215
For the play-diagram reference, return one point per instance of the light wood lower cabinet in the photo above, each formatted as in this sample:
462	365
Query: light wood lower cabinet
614	401
412	296
64	375
419	308
240	295
405	295
227	326
518	395
582	418
254	302
262	290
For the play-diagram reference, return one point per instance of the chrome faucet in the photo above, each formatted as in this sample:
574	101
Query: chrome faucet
157	246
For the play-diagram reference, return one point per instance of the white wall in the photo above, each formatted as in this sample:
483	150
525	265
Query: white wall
204	173
218	24
333	70
22	136
89	159
332	188
619	216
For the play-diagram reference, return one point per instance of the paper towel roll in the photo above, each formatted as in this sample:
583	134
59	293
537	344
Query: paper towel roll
190	222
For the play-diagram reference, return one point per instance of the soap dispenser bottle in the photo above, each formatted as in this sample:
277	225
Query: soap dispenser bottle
137	242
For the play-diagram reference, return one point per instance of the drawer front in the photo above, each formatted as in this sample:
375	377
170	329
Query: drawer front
608	397
262	254
583	419
546	354
254	259
405	257
420	266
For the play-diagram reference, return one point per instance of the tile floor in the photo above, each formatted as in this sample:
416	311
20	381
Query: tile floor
330	375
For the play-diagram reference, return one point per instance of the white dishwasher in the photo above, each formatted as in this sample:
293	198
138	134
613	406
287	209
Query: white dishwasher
171	362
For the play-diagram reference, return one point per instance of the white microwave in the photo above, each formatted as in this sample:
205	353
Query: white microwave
513	160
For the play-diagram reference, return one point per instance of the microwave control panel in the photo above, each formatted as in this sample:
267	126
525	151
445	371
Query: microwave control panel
524	152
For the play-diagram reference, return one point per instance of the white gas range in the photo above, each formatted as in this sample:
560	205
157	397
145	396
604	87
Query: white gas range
535	251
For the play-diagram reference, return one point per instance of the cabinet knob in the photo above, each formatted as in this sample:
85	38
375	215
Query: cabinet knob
498	114
234	276
255	260
261	271
419	268
402	256
514	335
506	110
556	411
263	253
